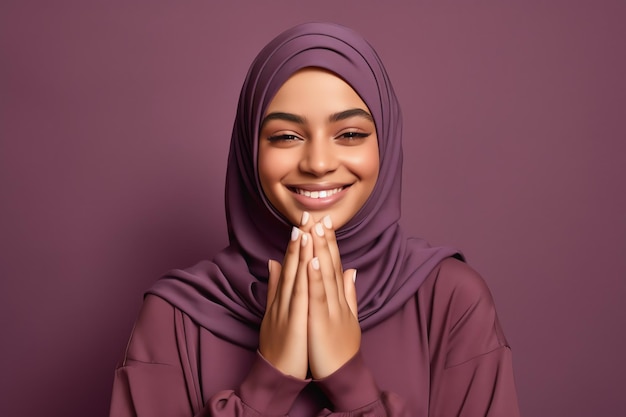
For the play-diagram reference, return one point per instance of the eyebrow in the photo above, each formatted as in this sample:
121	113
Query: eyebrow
346	114
335	117
288	117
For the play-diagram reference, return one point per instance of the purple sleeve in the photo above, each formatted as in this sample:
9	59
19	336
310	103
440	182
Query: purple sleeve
471	366
151	381
268	390
353	392
471	371
482	386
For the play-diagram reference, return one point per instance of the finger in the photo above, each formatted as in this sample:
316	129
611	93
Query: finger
349	286
290	266
318	303
332	244
332	283
306	222
299	296
274	269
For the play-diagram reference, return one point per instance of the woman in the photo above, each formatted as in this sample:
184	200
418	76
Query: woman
320	305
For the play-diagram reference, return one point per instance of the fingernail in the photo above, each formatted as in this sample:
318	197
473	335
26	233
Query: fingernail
295	232
305	239
319	230
315	263
327	222
354	276
305	218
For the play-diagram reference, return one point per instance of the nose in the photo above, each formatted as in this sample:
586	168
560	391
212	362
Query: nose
318	157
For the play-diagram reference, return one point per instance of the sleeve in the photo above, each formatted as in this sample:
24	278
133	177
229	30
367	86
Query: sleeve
471	365
153	378
482	386
353	392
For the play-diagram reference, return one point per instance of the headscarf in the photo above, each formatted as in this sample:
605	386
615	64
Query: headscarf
228	295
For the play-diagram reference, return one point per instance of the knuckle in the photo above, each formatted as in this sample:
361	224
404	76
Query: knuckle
318	297
299	291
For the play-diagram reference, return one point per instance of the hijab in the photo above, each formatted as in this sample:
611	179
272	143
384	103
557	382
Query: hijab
228	294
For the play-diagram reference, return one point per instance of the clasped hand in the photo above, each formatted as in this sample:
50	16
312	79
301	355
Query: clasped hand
311	320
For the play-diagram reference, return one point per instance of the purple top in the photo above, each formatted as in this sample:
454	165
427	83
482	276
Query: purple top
227	296
441	354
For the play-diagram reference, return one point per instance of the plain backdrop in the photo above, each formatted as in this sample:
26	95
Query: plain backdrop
115	119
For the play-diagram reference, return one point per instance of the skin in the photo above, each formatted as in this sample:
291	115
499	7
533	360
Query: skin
317	134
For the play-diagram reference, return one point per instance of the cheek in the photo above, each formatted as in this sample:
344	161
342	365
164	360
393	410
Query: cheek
366	163
265	172
372	167
271	169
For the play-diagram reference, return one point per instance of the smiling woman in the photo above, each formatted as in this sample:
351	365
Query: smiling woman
320	305
318	148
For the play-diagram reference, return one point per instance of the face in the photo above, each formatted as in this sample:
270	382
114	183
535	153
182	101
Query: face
318	149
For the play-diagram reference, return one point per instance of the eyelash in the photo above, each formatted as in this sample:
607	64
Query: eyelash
354	135
346	135
282	138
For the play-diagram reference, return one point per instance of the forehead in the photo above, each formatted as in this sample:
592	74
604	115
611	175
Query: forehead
315	89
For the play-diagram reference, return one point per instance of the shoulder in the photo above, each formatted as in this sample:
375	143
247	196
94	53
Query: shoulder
462	312
153	339
455	279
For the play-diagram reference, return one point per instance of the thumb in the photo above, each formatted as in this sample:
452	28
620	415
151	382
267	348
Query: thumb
274	269
349	287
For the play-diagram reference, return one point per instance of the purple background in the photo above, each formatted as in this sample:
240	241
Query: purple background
114	126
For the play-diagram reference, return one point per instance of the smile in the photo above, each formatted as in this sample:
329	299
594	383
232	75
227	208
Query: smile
319	193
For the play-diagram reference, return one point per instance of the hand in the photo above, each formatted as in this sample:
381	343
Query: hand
283	335
334	334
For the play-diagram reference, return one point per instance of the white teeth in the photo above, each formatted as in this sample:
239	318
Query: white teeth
318	194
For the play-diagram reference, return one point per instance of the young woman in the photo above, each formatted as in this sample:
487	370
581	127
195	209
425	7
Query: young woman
320	305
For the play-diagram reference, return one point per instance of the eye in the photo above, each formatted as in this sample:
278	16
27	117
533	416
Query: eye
352	136
355	135
285	138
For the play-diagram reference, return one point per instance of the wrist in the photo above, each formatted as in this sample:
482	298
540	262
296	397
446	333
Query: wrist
350	387
269	391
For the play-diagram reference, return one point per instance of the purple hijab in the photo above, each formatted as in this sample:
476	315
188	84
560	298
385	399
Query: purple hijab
227	296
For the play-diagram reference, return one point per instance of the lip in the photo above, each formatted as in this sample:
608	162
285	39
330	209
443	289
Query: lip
320	203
